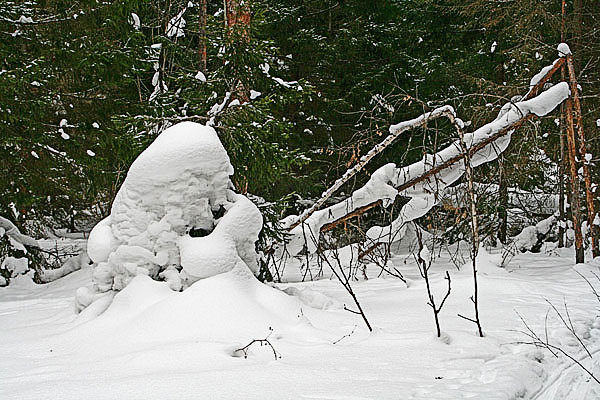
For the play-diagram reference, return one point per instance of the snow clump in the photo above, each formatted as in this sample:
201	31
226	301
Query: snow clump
175	217
563	50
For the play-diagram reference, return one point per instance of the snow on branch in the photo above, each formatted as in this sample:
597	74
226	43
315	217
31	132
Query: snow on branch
539	80
424	180
25	20
395	131
16	237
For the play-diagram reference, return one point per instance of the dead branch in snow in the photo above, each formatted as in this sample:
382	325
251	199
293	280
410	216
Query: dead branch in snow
474	225
243	351
555	350
343	278
345	336
424	266
590	283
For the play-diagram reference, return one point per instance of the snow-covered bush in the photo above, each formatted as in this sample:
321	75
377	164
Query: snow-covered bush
175	218
14	254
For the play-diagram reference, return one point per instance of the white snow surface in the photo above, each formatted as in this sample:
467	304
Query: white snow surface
154	343
231	243
200	76
101	241
174	186
25	20
16	266
537	77
70	265
254	94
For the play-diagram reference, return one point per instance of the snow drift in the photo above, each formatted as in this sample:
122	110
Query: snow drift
177	188
227	309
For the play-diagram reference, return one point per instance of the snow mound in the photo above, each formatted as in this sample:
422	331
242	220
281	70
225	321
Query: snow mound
100	241
230	308
531	238
487	263
313	298
177	188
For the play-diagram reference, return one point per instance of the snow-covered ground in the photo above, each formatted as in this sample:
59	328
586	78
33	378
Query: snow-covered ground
154	343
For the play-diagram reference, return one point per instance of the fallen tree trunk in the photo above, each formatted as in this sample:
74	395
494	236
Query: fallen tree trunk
395	132
427	175
424	180
420	121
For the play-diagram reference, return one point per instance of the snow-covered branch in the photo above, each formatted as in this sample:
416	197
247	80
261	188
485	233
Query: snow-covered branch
395	132
423	181
9	229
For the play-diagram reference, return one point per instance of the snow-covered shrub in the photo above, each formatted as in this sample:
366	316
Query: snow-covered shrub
17	254
175	218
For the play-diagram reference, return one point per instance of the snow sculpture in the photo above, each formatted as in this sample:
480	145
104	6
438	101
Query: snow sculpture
177	188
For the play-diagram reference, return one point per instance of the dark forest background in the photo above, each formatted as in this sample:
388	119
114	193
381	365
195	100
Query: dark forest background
85	86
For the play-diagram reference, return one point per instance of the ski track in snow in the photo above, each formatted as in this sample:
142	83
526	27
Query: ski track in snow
401	359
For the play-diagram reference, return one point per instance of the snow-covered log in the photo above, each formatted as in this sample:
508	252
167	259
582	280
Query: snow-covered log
71	264
532	237
175	218
423	181
541	203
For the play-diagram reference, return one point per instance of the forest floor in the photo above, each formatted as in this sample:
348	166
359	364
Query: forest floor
48	352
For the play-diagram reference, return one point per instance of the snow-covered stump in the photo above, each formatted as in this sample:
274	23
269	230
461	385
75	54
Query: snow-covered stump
175	218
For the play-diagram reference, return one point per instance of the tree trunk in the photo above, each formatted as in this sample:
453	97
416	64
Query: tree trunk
202	44
575	206
561	162
237	15
474	228
237	22
561	183
578	28
576	110
503	202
